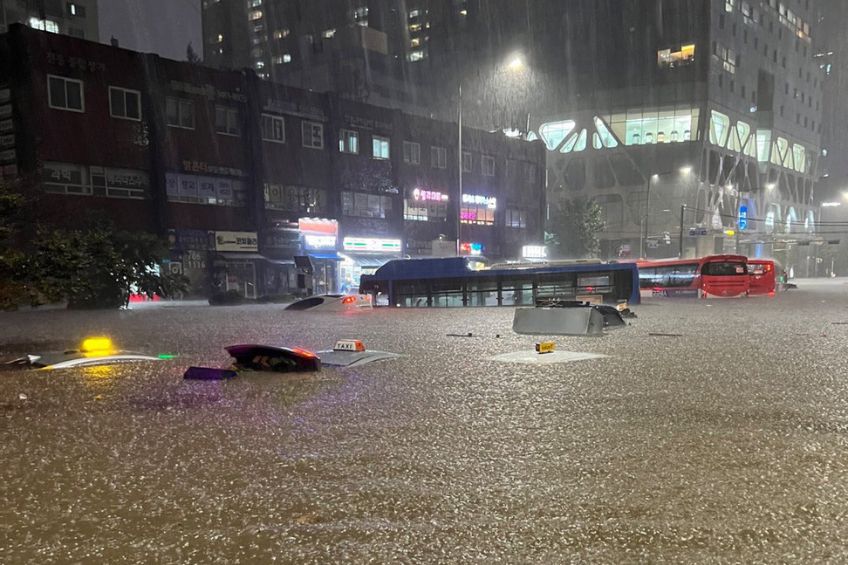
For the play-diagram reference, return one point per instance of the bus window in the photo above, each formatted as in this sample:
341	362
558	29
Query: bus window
676	276
483	293
647	278
517	293
723	269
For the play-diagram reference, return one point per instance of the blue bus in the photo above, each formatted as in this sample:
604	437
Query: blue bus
467	281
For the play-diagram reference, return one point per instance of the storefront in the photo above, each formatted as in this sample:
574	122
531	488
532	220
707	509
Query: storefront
320	238
363	256
236	262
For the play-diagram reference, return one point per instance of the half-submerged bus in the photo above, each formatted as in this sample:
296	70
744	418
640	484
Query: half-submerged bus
714	275
467	281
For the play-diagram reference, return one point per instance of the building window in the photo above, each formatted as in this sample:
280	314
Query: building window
75	10
281	33
425	206
516	218
380	147
348	141
120	183
44	25
65	178
328	33
417	55
273	128
363	205
438	157
255	15
295	199
467	162
411	153
124	104
179	113
227	120
313	134
478	210
488	165
65	94
726	57
193	189
668	59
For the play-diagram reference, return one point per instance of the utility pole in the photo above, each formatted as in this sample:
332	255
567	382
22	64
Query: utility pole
459	163
680	241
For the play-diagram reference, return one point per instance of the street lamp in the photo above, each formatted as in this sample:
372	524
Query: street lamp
643	235
514	64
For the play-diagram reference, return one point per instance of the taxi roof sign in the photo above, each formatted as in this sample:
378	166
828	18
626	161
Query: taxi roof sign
349	345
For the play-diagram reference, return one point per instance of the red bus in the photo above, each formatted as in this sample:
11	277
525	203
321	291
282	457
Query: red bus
763	274
715	275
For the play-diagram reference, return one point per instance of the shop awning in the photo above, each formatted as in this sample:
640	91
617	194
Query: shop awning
371	259
235	256
327	256
280	261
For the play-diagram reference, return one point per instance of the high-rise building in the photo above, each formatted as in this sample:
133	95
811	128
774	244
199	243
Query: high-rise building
646	106
77	17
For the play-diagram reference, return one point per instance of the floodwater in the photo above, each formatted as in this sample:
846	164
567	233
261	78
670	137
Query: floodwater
727	443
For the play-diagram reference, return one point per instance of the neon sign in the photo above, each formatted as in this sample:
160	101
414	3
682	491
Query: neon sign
371	244
428	196
471	248
534	252
478	200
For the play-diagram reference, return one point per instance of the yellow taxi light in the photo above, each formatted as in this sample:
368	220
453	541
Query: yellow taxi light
97	346
545	347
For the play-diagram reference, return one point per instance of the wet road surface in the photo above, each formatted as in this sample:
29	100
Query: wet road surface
728	443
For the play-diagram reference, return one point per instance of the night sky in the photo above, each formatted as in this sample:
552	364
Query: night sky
159	26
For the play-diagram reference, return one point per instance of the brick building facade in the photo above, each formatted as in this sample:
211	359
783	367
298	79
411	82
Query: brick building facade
244	175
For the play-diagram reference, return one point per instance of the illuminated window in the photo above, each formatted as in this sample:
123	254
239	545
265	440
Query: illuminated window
414	27
665	125
418	55
44	25
800	154
719	128
554	133
75	10
478	210
603	138
281	33
219	38
254	15
729	5
287	58
425	206
255	3
348	141
380	147
575	143
668	59
328	33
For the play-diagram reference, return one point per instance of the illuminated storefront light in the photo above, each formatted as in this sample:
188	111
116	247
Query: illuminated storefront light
374	245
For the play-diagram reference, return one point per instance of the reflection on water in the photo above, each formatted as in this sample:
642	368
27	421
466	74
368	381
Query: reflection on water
98	377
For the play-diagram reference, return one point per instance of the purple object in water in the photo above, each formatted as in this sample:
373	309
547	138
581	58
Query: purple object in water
208	374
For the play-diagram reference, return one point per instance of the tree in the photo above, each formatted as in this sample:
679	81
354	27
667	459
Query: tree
191	55
573	228
96	268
